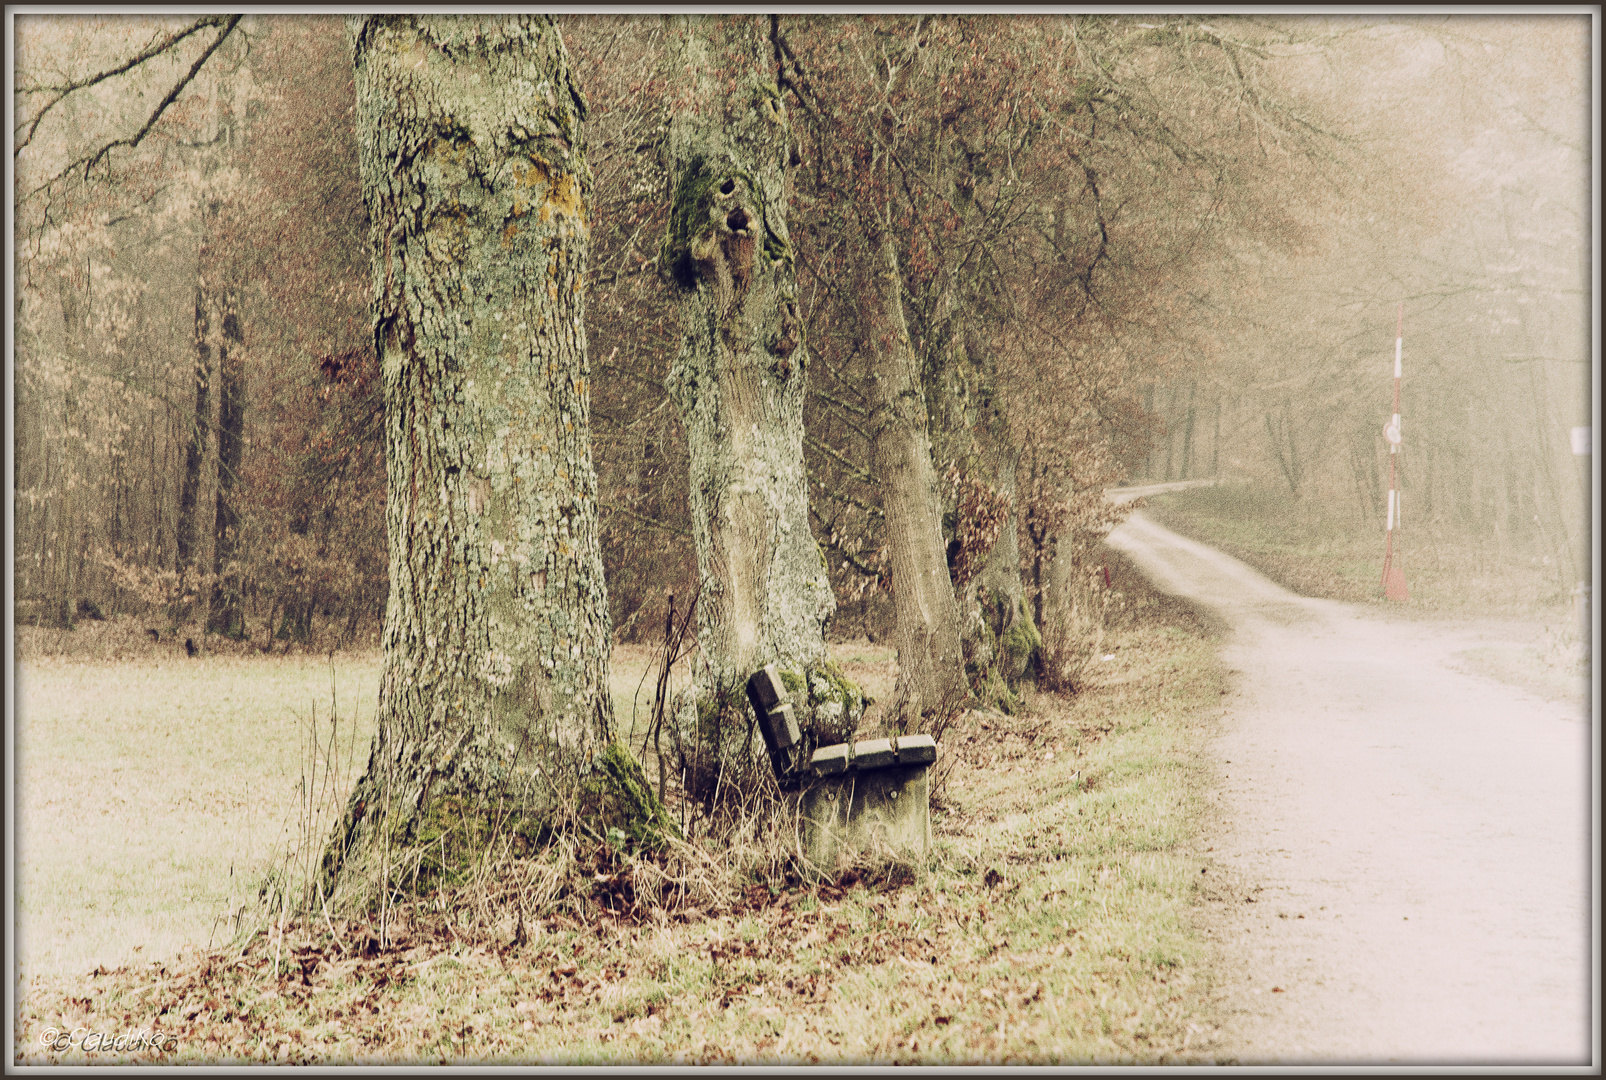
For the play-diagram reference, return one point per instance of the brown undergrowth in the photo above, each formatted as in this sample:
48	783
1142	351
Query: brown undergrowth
154	637
1049	925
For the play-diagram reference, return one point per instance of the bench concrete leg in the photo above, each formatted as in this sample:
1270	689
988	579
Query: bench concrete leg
850	812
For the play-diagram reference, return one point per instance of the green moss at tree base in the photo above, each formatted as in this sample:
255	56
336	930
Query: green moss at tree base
452	836
455	830
1021	640
1002	656
642	815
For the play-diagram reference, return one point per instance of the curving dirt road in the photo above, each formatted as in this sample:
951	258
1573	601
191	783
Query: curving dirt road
1398	853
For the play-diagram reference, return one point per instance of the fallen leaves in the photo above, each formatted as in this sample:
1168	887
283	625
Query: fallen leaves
867	966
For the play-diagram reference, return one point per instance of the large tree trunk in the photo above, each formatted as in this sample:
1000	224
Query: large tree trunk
931	674
494	691
739	384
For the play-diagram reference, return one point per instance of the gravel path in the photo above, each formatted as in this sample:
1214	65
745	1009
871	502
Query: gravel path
1399	853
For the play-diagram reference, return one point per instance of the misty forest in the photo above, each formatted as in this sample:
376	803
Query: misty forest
502	350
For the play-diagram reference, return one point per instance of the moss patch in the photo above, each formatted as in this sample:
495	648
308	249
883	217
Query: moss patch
1021	640
796	687
843	689
644	818
688	214
454	833
689	222
835	701
778	251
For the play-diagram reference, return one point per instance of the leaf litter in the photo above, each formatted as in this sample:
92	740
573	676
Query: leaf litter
968	961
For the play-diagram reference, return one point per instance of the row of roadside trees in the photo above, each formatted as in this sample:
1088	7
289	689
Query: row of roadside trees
798	318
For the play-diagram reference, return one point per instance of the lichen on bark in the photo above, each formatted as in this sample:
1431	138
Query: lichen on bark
494	691
738	382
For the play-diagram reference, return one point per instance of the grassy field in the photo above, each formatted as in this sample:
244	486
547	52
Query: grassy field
154	789
1051	925
150	792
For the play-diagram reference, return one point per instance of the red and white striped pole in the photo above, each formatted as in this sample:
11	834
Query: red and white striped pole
1393	577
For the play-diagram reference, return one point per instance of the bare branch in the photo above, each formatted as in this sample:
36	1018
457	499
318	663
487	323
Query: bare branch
615	508
62	90
849	467
846	406
847	500
89	161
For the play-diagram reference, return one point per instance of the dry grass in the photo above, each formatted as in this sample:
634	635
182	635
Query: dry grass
1050	926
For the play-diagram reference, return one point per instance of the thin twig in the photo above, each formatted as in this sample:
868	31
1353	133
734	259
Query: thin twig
89	161
616	509
61	91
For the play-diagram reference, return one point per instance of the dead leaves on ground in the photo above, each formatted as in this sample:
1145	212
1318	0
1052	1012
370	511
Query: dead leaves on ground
603	972
329	990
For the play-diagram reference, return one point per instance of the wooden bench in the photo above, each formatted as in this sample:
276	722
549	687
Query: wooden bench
854	796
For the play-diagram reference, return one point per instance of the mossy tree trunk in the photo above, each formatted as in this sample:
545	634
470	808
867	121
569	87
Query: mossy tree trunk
1009	630
739	384
970	432
493	701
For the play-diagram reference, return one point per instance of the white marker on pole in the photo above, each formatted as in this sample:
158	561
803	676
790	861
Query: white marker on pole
1393	580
